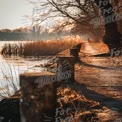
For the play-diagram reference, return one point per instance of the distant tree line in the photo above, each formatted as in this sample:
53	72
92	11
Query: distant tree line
6	35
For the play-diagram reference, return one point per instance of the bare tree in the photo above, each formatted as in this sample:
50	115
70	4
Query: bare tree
112	37
81	14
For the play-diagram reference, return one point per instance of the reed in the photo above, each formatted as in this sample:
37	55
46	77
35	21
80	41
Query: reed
43	48
11	81
49	47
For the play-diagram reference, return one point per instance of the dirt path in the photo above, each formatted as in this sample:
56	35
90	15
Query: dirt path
100	79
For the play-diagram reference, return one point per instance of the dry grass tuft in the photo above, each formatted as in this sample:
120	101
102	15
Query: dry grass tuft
49	47
81	107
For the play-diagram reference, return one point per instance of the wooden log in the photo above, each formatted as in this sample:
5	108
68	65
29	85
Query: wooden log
65	68
38	97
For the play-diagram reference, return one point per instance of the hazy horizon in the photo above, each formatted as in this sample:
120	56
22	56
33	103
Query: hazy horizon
12	13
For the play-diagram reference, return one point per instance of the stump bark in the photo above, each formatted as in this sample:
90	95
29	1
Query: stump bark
38	102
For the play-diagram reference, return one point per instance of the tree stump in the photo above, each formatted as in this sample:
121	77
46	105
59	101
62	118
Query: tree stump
38	103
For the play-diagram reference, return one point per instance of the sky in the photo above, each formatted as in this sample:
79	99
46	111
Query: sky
12	12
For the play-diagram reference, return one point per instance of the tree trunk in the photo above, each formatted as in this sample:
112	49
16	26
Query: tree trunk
112	37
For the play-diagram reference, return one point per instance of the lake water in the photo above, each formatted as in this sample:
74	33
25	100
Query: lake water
11	67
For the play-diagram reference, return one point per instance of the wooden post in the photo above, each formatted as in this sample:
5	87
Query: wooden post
65	68
38	103
74	53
